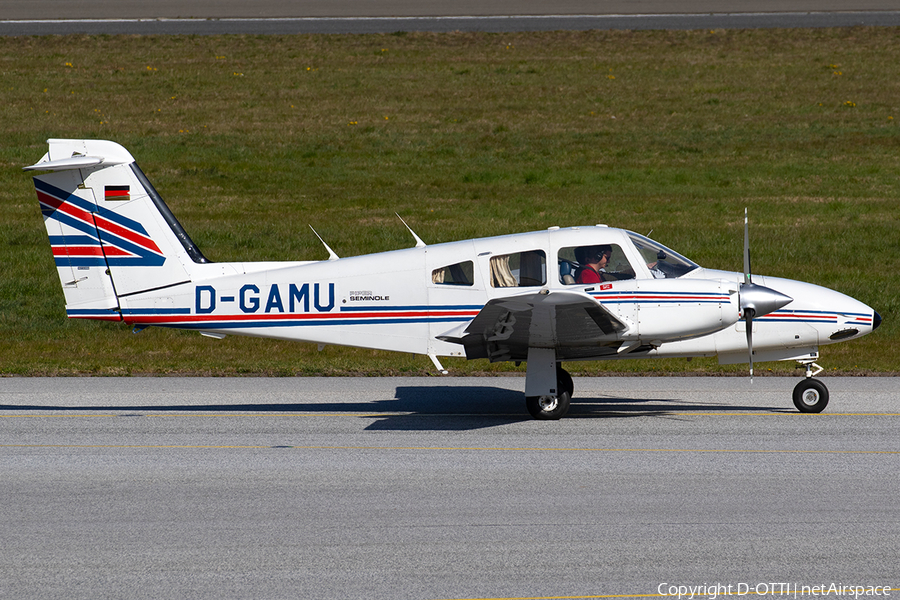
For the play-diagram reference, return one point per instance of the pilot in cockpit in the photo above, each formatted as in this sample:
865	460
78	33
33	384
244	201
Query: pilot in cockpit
592	261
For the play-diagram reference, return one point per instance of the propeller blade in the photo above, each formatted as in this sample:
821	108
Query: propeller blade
748	277
748	317
749	309
756	300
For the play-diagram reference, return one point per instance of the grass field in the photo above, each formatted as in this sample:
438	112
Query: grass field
249	139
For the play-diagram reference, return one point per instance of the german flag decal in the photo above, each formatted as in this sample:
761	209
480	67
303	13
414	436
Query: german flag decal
117	192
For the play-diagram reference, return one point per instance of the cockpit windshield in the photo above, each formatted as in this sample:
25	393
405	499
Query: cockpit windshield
662	261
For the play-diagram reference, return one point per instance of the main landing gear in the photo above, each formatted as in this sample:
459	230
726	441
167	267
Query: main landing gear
548	387
811	395
553	406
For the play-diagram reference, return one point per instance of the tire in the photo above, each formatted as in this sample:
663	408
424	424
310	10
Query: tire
564	381
810	396
548	408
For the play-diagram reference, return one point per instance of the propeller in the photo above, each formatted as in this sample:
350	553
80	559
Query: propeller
756	300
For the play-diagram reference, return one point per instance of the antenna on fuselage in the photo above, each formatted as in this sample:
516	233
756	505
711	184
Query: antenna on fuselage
331	254
419	242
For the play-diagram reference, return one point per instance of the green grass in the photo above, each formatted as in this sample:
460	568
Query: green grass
251	138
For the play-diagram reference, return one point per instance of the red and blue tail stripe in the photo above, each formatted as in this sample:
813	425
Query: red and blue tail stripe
106	237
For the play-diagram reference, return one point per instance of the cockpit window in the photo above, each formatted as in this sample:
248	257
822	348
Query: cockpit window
593	264
661	261
458	274
521	269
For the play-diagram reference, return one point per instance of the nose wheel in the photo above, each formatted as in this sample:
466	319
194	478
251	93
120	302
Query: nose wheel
811	395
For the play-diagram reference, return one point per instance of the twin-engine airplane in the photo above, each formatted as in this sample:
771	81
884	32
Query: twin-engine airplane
573	294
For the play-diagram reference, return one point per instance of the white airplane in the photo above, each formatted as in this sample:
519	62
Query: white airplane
546	297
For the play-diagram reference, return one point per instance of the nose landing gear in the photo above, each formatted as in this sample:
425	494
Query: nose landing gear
811	395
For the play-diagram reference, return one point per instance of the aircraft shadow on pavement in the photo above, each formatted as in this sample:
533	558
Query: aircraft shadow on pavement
439	408
475	407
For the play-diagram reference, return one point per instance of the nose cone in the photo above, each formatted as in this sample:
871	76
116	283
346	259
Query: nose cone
759	300
876	321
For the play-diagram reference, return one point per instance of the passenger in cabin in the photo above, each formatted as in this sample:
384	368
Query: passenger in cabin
592	261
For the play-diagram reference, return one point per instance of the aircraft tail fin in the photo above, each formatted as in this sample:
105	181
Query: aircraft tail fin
112	234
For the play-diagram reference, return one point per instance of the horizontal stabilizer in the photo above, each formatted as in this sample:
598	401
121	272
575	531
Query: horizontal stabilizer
65	164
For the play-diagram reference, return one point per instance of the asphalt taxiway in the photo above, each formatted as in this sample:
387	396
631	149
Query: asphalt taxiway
284	17
440	487
445	24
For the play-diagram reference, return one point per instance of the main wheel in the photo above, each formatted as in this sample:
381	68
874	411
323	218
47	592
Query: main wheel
564	381
549	407
810	396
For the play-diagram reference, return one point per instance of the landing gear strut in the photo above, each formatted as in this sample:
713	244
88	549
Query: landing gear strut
811	395
548	387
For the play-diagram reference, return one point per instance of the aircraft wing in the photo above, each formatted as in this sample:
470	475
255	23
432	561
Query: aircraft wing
572	323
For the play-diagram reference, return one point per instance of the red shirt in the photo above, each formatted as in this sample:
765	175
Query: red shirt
588	275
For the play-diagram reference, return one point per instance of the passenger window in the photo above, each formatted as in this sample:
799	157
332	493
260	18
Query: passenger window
459	274
522	269
593	264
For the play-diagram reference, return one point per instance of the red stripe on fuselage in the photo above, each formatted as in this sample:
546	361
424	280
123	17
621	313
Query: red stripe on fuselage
640	296
294	316
799	316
